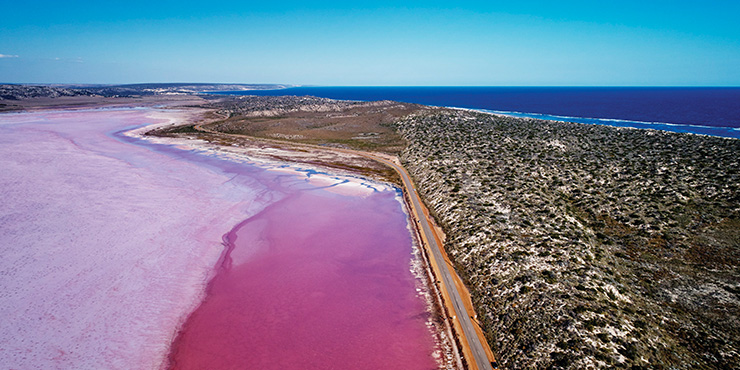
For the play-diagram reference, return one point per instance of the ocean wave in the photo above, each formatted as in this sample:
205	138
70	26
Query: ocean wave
730	132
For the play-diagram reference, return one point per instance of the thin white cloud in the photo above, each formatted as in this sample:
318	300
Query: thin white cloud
8	56
67	60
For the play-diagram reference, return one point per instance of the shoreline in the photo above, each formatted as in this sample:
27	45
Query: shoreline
433	333
472	361
420	254
679	128
433	268
697	129
198	116
499	318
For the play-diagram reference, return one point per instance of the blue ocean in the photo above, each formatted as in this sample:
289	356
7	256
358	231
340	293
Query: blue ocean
701	110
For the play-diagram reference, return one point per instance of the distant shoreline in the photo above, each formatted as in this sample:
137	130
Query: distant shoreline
725	132
705	111
23	97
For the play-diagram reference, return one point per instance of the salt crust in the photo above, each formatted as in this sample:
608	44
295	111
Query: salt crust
108	246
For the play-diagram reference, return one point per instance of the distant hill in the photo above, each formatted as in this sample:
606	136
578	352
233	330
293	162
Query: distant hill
22	91
18	92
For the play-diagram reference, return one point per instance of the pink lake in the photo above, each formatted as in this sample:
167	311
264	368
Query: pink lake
122	253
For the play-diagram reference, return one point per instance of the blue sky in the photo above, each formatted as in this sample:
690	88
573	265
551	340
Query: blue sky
521	43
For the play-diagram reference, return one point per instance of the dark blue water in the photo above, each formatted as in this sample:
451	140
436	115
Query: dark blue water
701	110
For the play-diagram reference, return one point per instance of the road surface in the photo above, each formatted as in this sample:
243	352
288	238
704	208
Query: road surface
469	334
476	347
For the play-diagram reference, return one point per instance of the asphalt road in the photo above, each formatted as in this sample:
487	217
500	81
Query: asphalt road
476	347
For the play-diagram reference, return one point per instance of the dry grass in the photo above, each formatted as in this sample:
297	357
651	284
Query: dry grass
351	125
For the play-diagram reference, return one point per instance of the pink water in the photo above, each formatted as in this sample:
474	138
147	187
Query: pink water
324	283
110	244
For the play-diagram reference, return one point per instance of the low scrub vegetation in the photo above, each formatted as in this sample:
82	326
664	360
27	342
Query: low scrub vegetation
584	245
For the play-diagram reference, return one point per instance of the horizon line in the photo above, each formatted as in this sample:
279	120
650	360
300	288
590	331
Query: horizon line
287	85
